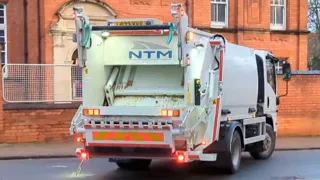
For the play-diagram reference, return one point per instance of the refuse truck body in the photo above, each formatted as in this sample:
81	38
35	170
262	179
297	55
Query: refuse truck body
169	91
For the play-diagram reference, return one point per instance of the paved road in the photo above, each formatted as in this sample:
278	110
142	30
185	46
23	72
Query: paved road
282	166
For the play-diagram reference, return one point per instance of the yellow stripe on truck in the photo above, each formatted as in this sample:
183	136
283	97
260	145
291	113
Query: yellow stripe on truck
128	136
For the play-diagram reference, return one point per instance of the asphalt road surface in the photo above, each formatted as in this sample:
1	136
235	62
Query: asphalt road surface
283	165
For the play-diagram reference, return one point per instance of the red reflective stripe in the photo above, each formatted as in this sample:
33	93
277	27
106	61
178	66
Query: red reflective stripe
216	117
221	64
89	126
166	128
194	157
215	43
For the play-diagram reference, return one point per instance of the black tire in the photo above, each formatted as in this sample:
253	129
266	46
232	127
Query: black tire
267	145
231	160
134	164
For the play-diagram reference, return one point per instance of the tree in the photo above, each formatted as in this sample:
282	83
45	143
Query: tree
314	38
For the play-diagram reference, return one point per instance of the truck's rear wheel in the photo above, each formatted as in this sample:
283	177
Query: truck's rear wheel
268	145
134	164
231	160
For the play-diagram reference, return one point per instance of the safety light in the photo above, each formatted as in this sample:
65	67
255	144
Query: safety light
203	142
189	36
84	155
105	34
91	112
180	158
170	113
187	61
79	139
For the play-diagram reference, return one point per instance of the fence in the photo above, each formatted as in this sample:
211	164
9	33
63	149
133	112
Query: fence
41	83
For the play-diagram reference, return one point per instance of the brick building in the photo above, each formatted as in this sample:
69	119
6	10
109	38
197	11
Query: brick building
40	31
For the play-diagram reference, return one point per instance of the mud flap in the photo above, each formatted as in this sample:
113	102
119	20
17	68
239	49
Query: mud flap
226	132
118	160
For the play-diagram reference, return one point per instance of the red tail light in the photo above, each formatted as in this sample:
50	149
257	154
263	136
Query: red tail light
84	155
180	158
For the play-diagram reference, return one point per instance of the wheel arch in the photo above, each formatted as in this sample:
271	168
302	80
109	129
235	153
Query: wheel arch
240	131
271	121
236	126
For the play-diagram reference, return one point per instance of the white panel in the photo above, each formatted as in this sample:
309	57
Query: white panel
120	50
240	80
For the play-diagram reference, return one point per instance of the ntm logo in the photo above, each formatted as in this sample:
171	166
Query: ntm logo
148	51
164	55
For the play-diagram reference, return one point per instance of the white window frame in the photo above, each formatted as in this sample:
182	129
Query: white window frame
4	27
279	26
215	24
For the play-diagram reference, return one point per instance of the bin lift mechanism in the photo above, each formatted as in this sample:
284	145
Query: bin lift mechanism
180	25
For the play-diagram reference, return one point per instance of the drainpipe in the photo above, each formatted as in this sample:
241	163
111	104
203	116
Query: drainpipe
42	84
25	19
189	12
26	49
39	32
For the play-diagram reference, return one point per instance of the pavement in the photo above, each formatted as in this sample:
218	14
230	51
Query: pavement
283	165
65	150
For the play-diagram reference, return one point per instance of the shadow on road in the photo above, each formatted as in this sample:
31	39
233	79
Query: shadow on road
170	171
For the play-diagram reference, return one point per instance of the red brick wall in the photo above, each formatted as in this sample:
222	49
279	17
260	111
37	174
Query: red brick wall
299	115
36	125
299	112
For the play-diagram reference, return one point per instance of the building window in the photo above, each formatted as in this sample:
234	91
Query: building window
3	33
219	13
278	14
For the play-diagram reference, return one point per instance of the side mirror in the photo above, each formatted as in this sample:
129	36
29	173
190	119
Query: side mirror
286	69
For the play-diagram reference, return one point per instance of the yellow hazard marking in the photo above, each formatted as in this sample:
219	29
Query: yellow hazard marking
130	23
188	94
128	136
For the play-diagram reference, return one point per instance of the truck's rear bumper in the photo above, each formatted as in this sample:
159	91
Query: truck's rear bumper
129	152
118	153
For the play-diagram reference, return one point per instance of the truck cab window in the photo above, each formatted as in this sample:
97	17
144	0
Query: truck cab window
271	75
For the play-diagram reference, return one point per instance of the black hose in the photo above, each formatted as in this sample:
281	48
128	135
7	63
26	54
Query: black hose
224	42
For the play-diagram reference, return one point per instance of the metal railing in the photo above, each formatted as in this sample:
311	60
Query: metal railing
41	83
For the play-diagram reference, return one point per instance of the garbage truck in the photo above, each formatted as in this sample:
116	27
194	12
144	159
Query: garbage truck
154	90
